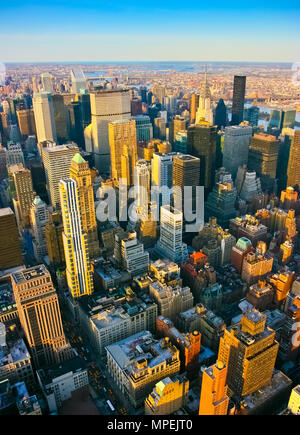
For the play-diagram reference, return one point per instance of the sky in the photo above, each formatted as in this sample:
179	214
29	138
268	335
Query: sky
156	30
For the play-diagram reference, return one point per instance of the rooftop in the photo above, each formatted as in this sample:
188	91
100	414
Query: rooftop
49	374
29	274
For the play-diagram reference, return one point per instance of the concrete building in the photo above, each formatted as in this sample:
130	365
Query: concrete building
138	362
168	395
44	117
10	247
236	145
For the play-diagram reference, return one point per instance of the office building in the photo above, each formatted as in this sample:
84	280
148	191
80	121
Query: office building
46	80
78	80
294	161
248	184
168	395
249	351
144	128
81	173
26	122
214	399
263	154
75	240
53	235
150	361
44	117
220	203
15	360
257	264
180	142
108	319
123	149
236	145
23	194
58	382
177	124
129	253
186	172
204	111
39	217
159	128
239	87
202	139
106	106
142	186
57	162
14	155
10	247
162	170
170	243
171	299
60	118
252	115
39	314
221	115
194	104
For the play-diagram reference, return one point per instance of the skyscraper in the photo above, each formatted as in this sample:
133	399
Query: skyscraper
53	234
26	122
236	145
78	80
221	115
57	162
39	314
39	216
10	247
75	240
293	171
249	351
204	111
239	87
46	83
170	243
186	172
142	185
81	172
194	103
24	193
123	149
106	106
177	124
214	399
44	117
202	144
144	129
60	118
263	154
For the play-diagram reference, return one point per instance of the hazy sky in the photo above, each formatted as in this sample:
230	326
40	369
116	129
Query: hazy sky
121	30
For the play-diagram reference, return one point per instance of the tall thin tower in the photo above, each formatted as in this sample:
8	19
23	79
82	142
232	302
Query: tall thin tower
75	240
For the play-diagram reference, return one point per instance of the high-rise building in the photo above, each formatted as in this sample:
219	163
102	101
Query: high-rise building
180	142
14	155
159	130
220	203
247	183
39	314
39	216
78	80
263	154
129	253
3	168
57	162
202	139
46	83
170	243
81	172
252	115
123	149
249	351
257	264
26	122
161	173
221	115
214	399
194	104
294	161
204	111
10	247
106	106
236	145
239	87
144	128
74	121
142	186
60	118
44	117
53	234
24	193
75	240
186	172
177	124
